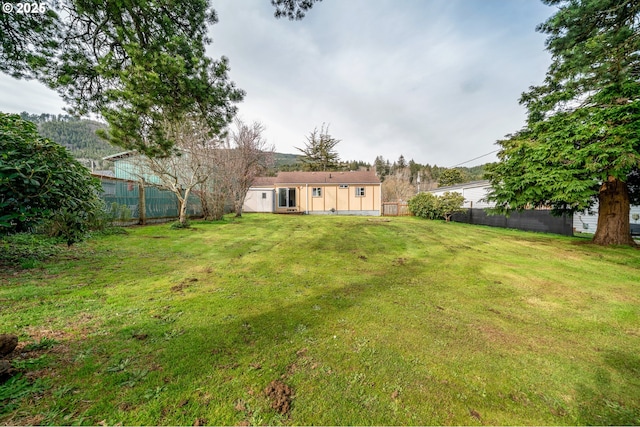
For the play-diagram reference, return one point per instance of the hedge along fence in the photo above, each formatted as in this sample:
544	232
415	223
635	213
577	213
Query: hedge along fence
156	205
532	220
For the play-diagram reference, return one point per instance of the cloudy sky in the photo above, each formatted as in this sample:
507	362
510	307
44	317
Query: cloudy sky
435	80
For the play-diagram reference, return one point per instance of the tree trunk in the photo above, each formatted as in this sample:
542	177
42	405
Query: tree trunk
216	206
613	214
142	204
206	215
182	205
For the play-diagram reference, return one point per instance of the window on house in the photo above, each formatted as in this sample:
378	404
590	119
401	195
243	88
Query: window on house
359	191
344	185
317	192
109	188
264	195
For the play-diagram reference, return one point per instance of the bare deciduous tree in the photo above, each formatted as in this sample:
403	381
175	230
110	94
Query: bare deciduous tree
214	193
396	187
250	156
186	169
217	171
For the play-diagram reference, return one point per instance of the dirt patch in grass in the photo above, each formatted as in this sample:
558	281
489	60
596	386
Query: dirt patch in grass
497	336
7	344
280	396
183	285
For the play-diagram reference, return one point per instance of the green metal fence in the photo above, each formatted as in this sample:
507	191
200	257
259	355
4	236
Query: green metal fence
159	204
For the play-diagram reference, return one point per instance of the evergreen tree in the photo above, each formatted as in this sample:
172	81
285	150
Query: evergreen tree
581	144
402	163
76	135
136	63
319	152
451	177
383	168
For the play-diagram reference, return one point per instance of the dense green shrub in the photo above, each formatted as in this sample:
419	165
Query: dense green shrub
424	205
430	206
450	203
40	182
178	225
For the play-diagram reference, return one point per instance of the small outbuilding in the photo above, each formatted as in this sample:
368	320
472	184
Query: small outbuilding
261	196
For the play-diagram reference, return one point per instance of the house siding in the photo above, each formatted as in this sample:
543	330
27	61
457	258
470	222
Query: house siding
336	200
584	222
474	193
332	198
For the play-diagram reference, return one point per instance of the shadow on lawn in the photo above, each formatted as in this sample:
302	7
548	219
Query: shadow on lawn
238	349
598	405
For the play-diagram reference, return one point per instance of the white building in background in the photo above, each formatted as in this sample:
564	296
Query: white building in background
583	222
476	191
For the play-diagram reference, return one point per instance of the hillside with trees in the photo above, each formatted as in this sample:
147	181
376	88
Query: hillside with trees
77	135
402	179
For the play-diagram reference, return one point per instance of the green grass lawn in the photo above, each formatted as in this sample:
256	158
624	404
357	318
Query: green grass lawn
365	320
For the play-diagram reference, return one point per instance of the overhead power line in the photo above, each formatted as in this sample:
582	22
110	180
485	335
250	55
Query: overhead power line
475	158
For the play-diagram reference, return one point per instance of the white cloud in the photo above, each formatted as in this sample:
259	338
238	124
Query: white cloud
437	81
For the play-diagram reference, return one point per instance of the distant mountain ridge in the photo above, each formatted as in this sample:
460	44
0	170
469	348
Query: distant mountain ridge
77	135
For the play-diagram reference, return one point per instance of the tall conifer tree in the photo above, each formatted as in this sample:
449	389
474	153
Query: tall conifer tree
581	143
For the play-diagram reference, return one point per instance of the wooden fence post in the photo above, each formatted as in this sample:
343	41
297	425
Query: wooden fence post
142	204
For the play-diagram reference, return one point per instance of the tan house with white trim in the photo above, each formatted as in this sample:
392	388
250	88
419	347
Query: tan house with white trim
337	193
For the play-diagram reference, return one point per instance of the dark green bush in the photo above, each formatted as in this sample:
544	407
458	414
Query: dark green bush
178	225
40	181
424	205
429	206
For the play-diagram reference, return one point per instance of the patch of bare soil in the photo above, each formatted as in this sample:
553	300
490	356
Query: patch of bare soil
7	344
280	396
6	371
183	285
475	414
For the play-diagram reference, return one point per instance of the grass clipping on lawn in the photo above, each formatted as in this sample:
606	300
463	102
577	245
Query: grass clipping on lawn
296	320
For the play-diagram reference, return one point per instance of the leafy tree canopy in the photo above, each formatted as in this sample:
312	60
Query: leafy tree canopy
451	177
76	135
136	63
581	143
39	180
292	9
